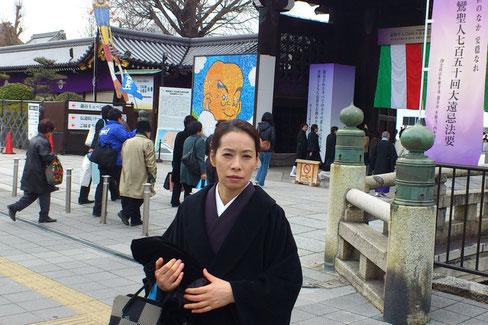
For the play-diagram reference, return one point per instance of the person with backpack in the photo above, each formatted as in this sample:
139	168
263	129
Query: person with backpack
194	143
112	135
267	136
34	182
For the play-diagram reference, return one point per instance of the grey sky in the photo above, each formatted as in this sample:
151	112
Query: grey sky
41	16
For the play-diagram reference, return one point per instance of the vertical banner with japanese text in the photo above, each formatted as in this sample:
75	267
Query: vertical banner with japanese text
456	80
330	89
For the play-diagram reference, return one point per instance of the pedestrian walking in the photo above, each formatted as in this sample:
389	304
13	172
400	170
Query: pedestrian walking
267	134
383	160
194	143
301	146
114	135
177	154
33	181
138	168
239	236
313	148
87	165
330	144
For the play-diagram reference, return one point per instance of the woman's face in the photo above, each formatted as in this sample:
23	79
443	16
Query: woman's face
235	160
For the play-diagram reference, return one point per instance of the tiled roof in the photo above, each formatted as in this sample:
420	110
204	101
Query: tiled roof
139	48
47	37
241	44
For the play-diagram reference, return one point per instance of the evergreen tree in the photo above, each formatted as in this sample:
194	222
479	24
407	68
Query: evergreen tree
43	78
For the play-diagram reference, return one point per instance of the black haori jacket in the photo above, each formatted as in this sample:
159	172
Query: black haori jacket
258	257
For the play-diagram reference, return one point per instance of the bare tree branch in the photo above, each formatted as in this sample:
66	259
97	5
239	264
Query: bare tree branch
188	18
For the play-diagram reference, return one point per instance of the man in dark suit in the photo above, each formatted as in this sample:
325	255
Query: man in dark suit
383	160
301	146
330	148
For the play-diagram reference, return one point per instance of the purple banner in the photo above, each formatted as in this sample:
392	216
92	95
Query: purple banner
456	80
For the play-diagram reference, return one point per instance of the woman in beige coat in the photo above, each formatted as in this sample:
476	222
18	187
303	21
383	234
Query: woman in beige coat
138	167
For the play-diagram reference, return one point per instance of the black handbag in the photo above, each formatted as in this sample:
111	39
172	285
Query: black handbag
104	156
191	162
167	182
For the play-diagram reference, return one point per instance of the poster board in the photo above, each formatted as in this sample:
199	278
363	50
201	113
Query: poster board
174	105
223	89
32	120
145	85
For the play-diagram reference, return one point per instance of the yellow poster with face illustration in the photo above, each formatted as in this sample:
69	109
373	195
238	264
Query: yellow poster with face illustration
223	89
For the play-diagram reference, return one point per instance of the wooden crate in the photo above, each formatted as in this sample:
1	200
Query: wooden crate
307	172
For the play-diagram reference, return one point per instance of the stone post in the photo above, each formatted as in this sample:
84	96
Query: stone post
347	172
409	266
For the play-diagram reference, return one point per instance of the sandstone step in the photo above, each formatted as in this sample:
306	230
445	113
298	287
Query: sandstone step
368	241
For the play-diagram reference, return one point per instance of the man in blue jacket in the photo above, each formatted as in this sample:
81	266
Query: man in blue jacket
113	134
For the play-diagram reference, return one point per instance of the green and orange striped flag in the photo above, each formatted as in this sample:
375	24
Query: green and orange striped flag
399	74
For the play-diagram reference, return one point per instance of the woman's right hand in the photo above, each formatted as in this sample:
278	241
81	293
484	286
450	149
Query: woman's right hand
310	154
169	275
203	176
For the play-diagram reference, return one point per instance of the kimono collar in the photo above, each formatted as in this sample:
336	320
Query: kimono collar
253	215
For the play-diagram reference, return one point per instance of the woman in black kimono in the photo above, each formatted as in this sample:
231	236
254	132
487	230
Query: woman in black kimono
241	238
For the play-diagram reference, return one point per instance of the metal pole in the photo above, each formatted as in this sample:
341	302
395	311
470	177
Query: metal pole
159	152
68	189
145	213
16	176
106	180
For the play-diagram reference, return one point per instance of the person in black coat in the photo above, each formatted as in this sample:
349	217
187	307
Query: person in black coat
330	147
241	239
383	159
177	154
301	146
313	146
34	183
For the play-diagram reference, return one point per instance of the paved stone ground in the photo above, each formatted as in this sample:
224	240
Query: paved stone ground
69	272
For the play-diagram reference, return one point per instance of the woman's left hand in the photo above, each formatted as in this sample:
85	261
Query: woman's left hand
212	296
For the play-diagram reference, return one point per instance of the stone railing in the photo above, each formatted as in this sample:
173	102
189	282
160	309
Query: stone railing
393	268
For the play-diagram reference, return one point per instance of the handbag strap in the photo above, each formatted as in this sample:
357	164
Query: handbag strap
131	300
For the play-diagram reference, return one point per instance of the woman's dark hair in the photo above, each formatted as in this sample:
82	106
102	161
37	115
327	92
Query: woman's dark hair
105	110
333	129
114	114
188	119
143	126
194	127
303	124
267	117
234	125
46	126
314	127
